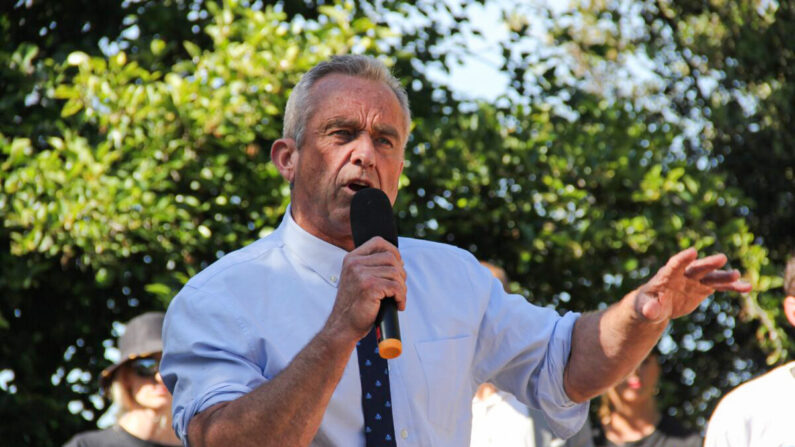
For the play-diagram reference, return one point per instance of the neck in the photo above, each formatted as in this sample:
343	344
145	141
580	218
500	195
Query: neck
631	422
343	240
149	425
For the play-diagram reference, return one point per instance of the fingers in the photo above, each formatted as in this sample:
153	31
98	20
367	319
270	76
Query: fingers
714	279
364	282
699	268
399	293
683	282
376	245
378	279
650	308
680	261
382	264
705	272
736	286
372	272
377	258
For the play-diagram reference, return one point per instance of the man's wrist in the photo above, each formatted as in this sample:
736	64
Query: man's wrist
334	338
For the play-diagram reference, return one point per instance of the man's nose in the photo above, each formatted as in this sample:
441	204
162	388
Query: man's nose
363	151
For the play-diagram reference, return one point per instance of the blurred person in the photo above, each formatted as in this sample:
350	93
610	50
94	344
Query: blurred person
760	412
629	414
274	344
500	420
135	386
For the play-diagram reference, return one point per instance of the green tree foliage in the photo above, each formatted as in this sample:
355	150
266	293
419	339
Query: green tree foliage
153	176
127	173
580	212
747	48
724	71
730	65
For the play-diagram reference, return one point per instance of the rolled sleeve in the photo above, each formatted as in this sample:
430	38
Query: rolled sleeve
182	414
524	349
208	356
564	416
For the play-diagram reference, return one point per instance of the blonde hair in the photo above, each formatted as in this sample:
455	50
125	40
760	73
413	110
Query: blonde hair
606	409
120	391
300	105
789	276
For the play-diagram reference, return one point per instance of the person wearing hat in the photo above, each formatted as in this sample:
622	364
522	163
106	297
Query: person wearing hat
135	385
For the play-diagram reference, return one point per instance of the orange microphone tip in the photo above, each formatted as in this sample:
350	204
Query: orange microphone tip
390	348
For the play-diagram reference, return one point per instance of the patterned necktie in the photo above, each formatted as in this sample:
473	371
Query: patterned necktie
379	429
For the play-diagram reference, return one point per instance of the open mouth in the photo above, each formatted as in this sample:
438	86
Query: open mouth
356	187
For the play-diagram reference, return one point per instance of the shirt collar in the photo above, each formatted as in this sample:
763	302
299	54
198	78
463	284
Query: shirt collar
323	258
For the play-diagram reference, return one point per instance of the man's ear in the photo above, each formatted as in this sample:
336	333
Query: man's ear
789	309
284	154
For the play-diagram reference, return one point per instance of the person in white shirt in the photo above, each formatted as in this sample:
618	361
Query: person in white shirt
259	347
760	412
499	420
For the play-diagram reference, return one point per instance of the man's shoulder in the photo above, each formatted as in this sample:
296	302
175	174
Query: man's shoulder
94	438
444	260
760	386
423	247
755	392
242	256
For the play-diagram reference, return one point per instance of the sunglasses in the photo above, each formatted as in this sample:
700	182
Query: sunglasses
145	367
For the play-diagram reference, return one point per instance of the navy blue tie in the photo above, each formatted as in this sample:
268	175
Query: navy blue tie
379	429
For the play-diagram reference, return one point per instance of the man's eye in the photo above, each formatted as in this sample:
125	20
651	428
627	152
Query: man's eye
384	142
342	133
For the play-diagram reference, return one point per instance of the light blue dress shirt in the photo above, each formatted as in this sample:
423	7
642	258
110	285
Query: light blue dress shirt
238	323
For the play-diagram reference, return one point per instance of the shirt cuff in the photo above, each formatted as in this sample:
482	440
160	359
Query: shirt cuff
182	416
564	416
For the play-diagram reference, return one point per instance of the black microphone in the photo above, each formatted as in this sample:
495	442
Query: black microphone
371	216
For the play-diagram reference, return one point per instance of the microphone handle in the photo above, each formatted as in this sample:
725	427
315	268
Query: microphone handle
388	329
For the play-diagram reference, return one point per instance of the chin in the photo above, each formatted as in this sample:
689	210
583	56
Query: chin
162	409
159	403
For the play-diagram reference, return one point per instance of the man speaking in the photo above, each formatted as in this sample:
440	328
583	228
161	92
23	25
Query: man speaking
274	344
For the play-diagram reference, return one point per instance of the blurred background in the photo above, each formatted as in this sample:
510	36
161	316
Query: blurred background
576	144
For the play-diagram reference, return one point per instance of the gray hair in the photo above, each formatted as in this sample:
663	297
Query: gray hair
300	107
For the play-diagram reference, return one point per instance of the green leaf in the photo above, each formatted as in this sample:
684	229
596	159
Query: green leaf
71	107
157	46
77	58
64	91
158	289
192	49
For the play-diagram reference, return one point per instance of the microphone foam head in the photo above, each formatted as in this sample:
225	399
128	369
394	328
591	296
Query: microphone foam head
371	215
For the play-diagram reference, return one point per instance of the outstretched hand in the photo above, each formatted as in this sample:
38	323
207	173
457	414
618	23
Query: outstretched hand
682	283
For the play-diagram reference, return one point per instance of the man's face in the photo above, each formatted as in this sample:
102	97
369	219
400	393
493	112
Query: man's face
353	139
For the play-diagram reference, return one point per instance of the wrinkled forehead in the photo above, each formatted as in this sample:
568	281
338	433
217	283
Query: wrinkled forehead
336	90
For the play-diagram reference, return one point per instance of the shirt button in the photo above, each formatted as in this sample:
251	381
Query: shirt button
404	433
333	278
